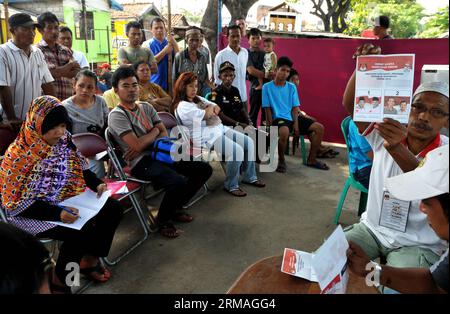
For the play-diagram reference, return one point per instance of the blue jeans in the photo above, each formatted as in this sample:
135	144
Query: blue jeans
97	167
239	152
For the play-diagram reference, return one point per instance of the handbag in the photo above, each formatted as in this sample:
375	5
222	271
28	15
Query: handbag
163	148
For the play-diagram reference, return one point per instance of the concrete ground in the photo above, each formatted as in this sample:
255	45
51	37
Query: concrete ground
295	210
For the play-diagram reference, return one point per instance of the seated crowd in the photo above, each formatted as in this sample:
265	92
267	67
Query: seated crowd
43	167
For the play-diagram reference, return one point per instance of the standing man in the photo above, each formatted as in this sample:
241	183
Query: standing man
380	27
161	45
66	39
243	27
192	60
60	61
24	71
255	69
134	52
238	57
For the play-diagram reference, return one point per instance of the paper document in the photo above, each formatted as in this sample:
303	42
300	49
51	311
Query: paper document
330	262
298	263
327	266
100	155
117	187
384	86
88	206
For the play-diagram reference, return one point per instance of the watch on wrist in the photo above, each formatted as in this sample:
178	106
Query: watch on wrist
377	274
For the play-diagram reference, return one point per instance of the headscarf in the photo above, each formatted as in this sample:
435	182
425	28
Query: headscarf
34	170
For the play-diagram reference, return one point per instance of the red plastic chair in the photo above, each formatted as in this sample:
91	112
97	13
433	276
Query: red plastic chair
90	144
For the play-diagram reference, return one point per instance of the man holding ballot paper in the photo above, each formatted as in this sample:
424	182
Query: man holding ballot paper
392	228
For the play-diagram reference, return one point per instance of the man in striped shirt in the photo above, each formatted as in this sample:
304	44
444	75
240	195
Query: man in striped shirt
23	71
60	60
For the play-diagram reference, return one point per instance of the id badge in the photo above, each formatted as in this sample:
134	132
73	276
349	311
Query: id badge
394	212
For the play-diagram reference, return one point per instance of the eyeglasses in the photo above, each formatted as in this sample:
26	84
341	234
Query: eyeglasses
434	112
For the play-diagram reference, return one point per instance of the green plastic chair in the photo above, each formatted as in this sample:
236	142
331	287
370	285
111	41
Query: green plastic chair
351	181
301	143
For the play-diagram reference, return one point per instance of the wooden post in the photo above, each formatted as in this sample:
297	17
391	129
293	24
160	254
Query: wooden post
2	40
169	31
5	4
83	10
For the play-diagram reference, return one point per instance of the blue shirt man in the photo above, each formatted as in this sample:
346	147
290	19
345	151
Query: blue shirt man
161	47
281	99
161	77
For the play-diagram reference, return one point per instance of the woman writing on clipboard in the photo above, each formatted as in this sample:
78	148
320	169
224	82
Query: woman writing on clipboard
40	169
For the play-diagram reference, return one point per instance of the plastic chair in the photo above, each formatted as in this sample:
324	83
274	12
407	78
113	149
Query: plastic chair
90	144
298	141
351	181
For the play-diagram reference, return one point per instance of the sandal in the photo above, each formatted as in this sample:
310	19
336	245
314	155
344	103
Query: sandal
319	165
257	183
168	230
182	216
325	154
237	192
97	273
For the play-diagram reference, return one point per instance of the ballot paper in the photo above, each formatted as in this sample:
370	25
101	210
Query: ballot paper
384	86
117	187
327	266
88	206
330	263
100	155
298	263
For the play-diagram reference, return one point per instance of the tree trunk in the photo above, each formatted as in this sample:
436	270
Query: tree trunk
209	22
209	26
238	8
334	18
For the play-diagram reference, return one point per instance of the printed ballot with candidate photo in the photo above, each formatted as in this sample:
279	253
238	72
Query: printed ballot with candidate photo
384	87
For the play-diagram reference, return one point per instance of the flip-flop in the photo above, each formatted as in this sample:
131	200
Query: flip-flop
319	165
236	192
257	183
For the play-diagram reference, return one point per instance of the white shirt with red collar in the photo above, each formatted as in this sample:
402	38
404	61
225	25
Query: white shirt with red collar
418	232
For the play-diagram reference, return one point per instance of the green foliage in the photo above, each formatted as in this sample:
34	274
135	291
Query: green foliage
436	25
192	17
404	15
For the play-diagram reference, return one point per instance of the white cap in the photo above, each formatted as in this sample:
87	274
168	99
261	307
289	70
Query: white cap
437	87
429	179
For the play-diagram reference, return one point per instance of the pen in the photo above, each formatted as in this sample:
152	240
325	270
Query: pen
69	211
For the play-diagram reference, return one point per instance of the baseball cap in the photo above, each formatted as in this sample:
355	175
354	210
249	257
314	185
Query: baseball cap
437	87
21	19
105	65
226	66
382	21
429	179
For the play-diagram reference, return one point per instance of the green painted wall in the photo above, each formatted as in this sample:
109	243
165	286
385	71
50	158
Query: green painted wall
97	48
